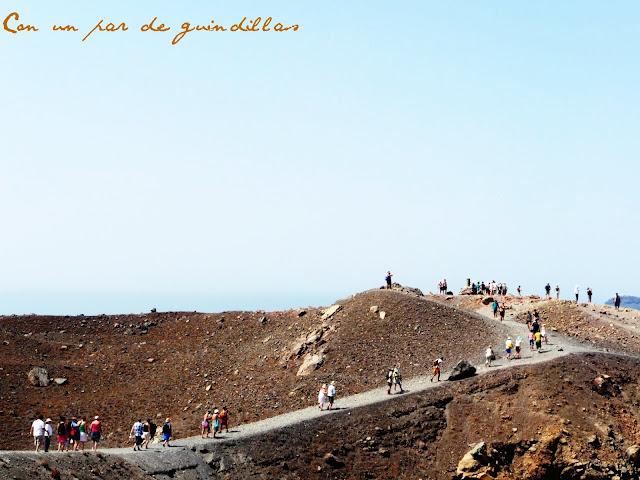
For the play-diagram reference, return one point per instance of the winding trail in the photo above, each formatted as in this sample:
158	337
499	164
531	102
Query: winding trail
158	457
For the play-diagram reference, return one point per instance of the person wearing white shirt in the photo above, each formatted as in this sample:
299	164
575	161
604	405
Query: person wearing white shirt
48	433
577	292
331	394
37	430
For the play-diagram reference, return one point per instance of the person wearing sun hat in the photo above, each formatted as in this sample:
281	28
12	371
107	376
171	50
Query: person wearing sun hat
96	432
48	433
216	421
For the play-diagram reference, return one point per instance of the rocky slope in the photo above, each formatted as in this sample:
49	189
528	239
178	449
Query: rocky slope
259	364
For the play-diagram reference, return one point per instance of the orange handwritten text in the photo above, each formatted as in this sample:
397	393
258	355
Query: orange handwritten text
258	25
151	26
188	28
66	28
11	25
109	27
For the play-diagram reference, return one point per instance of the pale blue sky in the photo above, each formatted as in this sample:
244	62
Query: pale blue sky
496	140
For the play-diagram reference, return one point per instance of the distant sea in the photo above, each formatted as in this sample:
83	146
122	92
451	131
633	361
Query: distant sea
627	301
96	304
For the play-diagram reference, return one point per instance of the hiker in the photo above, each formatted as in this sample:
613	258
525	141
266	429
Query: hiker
494	308
149	432
529	320
331	394
136	434
224	419
397	379
445	287
322	396
508	344
616	302
38	431
538	338
96	432
206	425
62	434
74	433
215	421
167	432
576	291
489	356
531	340
557	292
589	293
437	368
547	289
388	279
389	380
519	291
543	333
82	429
518	346
503	310
145	433
48	433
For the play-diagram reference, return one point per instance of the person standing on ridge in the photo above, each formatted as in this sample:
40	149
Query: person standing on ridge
577	292
387	279
547	290
557	292
519	291
589	293
616	302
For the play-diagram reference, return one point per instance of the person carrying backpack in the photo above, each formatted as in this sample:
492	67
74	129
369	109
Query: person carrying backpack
437	368
62	434
494	307
389	380
167	432
397	379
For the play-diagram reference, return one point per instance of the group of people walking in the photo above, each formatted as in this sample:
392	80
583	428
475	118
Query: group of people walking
327	396
143	433
70	434
214	422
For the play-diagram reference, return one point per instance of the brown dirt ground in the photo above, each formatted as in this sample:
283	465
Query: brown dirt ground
536	420
244	360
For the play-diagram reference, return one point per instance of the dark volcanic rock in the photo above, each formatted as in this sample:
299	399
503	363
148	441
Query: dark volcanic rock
463	369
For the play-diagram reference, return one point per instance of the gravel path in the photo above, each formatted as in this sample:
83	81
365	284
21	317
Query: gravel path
559	346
